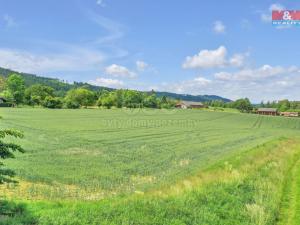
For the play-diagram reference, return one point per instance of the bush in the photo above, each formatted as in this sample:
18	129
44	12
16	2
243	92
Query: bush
81	97
71	104
52	103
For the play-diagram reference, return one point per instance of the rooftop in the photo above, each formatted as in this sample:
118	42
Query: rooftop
188	103
267	110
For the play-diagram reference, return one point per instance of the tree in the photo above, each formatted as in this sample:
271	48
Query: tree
2	83
108	100
217	103
283	105
150	101
36	94
133	99
7	151
81	96
15	85
52	102
164	100
101	94
119	98
243	104
71	105
6	94
166	103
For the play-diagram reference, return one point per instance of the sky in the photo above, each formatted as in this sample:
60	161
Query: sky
227	48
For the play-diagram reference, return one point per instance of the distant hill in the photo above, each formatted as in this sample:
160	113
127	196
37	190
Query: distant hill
62	87
195	98
59	86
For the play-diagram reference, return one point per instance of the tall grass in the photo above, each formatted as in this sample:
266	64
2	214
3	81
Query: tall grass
15	214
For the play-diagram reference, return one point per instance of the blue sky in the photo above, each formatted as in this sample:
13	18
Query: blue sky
196	47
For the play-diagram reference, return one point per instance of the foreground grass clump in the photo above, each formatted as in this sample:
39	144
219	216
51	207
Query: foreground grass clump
15	214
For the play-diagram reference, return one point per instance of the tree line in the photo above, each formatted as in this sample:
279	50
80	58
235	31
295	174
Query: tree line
282	105
14	90
244	105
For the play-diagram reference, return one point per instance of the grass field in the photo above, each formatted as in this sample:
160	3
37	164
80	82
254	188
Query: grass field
155	167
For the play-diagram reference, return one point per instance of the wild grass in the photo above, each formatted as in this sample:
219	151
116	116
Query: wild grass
15	214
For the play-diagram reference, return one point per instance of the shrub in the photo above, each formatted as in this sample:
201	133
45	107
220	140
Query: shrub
52	103
71	104
81	97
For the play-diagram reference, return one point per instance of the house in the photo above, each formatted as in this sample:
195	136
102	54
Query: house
289	114
189	105
267	111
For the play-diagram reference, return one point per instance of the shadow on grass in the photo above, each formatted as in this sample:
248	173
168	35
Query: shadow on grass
15	213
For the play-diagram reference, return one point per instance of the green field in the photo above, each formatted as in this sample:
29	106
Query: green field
93	166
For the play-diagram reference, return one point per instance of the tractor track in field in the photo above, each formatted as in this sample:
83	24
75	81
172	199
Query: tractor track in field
289	213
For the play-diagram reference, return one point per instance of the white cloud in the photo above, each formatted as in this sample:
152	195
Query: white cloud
9	21
141	65
71	60
219	27
202	81
223	76
237	60
107	82
213	59
192	86
206	59
111	33
266	17
282	82
62	57
119	71
263	83
261	73
100	2
276	6
114	30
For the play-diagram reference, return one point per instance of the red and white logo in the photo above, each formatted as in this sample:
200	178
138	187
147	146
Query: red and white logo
286	15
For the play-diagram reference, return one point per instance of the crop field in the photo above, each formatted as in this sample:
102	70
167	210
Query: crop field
118	166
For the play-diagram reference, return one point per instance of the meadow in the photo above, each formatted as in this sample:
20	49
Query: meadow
143	166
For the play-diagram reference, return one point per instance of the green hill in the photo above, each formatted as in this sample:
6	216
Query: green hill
62	87
59	86
195	98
